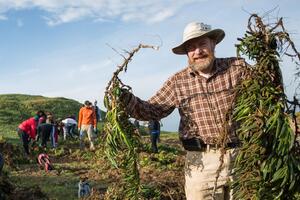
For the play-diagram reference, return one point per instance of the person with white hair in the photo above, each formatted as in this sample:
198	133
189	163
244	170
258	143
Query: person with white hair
203	92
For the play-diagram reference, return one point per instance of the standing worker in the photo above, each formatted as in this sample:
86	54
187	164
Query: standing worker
98	115
97	111
203	92
154	129
87	124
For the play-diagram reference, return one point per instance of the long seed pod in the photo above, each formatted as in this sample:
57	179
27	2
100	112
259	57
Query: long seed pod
267	165
121	139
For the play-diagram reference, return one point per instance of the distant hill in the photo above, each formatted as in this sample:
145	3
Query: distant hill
14	108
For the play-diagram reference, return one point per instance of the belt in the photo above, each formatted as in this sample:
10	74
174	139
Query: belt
196	144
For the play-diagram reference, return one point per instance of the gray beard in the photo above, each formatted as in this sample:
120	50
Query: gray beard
203	66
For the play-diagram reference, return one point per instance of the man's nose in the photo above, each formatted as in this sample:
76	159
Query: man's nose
198	50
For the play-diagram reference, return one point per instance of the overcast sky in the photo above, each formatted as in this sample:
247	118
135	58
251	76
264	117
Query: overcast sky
61	48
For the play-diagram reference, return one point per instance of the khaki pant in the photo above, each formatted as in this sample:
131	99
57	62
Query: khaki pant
89	129
200	174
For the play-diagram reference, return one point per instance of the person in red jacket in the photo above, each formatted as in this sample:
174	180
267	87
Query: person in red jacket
27	131
87	123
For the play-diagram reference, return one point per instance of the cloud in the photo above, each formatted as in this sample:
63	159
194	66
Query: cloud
160	16
68	15
65	11
150	16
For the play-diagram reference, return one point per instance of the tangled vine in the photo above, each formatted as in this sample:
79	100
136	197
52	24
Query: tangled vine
268	163
122	141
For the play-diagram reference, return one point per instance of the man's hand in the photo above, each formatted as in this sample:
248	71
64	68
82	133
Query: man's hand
125	96
79	129
95	130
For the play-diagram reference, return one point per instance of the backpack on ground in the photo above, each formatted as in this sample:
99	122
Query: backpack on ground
44	162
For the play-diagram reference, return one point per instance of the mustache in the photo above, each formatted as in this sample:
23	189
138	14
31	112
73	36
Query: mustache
205	54
209	59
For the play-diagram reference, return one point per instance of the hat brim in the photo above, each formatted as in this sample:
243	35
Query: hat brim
216	34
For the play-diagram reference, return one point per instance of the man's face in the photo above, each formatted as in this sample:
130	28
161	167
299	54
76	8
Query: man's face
200	52
89	105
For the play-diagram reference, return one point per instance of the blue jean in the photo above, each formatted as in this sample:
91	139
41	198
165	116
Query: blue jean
154	139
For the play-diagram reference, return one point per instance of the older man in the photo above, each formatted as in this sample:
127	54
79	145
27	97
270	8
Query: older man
203	92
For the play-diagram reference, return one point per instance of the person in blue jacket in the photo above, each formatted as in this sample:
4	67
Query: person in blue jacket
154	129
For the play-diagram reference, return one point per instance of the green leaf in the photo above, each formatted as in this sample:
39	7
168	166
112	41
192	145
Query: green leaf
279	174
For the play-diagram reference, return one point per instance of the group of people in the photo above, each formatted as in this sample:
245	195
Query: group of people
42	127
28	130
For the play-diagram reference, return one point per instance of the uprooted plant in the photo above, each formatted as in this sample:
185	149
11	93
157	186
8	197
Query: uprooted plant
268	164
122	141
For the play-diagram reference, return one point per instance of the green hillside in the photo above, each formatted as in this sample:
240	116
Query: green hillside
14	108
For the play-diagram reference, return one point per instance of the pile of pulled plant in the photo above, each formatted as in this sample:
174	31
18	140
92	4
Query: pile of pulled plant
268	163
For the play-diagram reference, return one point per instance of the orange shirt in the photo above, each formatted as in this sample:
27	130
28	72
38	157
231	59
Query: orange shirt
87	116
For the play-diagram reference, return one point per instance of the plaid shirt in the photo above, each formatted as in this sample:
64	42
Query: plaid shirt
202	102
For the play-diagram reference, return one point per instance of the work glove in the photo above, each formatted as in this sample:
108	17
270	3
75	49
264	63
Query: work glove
125	96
